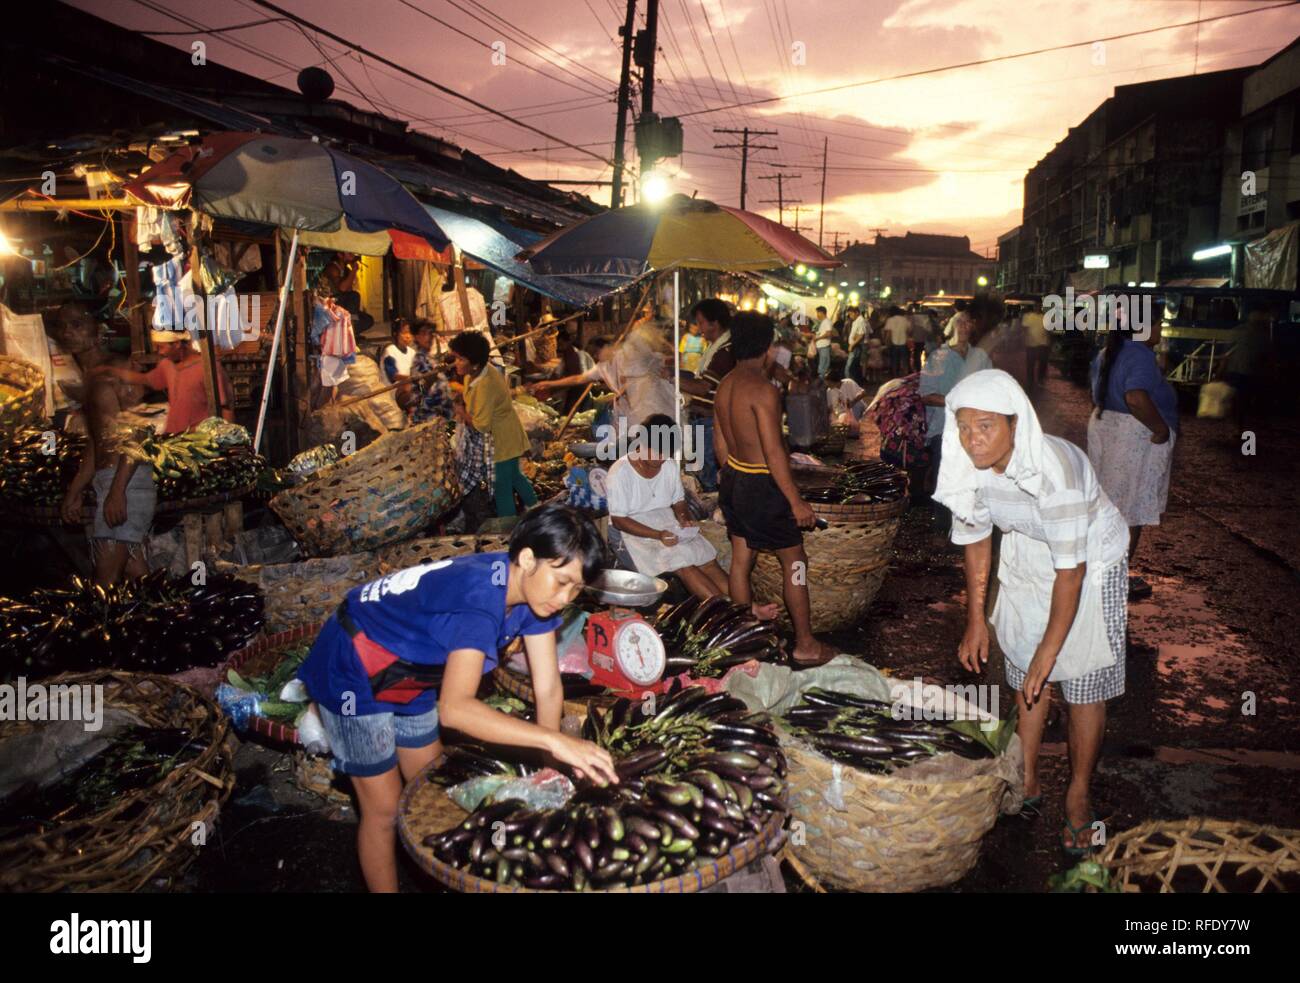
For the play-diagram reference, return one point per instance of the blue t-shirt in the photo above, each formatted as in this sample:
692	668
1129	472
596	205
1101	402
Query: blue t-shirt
1135	368
420	614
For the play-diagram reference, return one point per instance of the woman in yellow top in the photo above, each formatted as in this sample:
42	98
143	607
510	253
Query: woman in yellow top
487	408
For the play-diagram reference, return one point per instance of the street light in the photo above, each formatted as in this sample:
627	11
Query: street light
982	281
1220	250
654	187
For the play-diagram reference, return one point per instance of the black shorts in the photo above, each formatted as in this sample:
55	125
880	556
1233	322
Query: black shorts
756	511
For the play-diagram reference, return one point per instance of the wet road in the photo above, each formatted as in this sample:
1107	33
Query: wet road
1207	726
1222	625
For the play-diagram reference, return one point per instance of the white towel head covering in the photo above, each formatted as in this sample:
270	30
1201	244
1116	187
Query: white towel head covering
994	391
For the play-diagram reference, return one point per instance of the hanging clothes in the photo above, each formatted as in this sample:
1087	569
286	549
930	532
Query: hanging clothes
154	226
168	302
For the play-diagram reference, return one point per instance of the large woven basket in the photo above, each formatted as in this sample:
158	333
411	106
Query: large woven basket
260	657
865	832
1204	856
425	809
387	491
146	835
307	592
847	564
26	405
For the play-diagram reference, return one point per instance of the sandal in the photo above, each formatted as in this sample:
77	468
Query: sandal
1074	831
1031	807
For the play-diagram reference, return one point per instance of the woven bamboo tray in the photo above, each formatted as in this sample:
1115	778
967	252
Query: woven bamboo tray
1204	856
52	515
261	656
424	809
883	833
28	403
847	564
521	687
860	512
385	492
145	835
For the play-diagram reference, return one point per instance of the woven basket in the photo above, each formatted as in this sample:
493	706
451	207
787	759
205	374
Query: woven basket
884	833
521	687
307	592
424	809
853	512
260	657
145	835
1204	856
544	345
834	442
27	405
385	492
847	564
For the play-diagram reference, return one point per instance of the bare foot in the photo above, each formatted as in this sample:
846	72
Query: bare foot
816	654
765	612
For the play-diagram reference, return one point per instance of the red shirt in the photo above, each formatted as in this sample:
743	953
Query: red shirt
187	400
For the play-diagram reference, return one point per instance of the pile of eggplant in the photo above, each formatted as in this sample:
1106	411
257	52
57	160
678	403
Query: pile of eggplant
137	757
155	623
31	476
461	762
865	734
697	777
706	638
864	483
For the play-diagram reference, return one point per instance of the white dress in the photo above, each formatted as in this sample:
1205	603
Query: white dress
650	501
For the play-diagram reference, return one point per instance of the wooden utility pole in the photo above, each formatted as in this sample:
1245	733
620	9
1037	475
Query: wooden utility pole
835	248
781	199
797	227
744	148
624	103
821	215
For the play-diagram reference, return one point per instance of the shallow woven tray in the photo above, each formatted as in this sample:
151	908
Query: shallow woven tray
28	403
255	659
1204	856
143	836
892	834
424	809
52	515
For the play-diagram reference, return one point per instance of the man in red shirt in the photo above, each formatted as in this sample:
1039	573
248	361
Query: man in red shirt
180	374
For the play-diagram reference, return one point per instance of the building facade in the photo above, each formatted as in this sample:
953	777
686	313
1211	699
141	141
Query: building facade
916	265
1008	278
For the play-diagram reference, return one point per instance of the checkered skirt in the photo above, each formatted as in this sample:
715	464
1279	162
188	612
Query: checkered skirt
1101	684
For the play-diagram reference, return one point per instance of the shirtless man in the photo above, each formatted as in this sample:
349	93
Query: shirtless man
760	503
125	493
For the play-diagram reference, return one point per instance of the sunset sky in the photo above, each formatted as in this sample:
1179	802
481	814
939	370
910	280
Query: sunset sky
944	152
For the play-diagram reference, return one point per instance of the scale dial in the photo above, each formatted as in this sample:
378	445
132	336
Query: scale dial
640	653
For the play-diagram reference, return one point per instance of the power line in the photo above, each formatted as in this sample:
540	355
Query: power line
989	61
424	78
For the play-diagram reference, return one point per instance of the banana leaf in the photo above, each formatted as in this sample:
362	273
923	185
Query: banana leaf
995	739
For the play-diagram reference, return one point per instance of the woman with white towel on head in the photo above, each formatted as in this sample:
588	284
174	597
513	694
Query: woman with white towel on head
1062	604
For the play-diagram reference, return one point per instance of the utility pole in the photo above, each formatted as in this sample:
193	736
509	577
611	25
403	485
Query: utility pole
781	200
821	215
744	149
651	34
624	101
836	247
797	227
879	263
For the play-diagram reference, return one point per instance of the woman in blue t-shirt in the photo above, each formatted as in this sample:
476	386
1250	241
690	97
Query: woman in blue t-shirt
405	654
1132	431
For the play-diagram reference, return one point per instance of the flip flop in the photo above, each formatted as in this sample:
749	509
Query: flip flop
1077	851
1031	807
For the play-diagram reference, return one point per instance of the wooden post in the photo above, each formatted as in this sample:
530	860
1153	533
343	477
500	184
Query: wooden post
206	348
131	260
462	294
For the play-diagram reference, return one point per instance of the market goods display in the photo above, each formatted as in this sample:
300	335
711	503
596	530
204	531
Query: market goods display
22	395
135	820
864	483
698	777
706	638
865	733
35	469
155	622
194	464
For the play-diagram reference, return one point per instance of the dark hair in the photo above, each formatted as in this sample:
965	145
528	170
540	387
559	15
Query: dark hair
598	345
751	334
557	532
713	310
959	304
471	346
666	425
399	323
423	325
1114	342
821	310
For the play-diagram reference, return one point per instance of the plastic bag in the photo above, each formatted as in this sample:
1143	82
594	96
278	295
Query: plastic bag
310	461
545	789
224	432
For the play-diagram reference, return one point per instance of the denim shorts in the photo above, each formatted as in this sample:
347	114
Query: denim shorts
367	746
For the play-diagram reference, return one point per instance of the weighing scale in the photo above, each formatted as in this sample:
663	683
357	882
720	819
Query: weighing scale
626	654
